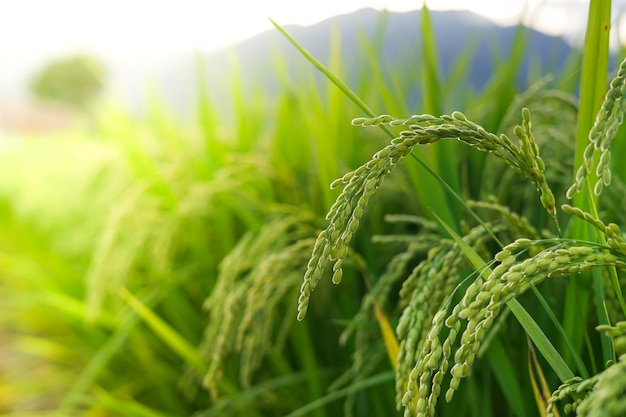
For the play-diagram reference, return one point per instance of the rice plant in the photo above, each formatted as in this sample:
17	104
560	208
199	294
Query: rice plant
454	302
121	260
155	268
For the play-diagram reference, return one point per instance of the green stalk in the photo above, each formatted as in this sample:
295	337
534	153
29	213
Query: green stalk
593	84
592	87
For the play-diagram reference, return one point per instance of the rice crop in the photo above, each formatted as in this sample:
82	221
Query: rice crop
153	267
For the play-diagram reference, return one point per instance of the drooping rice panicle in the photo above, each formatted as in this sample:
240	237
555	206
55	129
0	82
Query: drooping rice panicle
261	272
479	307
604	394
359	185
608	120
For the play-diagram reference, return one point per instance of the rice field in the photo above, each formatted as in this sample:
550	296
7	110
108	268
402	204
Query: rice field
159	267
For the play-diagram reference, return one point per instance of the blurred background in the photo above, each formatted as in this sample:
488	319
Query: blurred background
140	45
164	169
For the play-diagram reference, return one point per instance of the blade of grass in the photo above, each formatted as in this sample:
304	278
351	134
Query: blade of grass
593	84
336	395
167	334
428	191
552	356
336	81
389	336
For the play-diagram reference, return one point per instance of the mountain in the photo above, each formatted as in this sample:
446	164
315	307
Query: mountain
456	33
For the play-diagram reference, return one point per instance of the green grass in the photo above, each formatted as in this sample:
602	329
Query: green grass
152	267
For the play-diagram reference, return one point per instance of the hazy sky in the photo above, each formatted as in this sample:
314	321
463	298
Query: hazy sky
158	25
141	31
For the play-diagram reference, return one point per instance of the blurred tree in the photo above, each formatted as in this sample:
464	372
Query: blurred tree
76	80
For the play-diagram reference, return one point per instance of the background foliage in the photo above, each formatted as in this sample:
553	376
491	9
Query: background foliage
76	81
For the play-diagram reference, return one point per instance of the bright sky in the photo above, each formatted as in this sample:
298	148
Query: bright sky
136	31
149	26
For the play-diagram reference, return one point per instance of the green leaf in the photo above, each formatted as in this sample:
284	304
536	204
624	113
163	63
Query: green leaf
336	395
167	334
389	336
593	85
549	352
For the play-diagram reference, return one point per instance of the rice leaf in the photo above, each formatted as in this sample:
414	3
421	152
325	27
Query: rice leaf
167	334
391	343
336	395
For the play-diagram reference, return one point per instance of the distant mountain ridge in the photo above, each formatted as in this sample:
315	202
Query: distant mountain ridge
454	31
